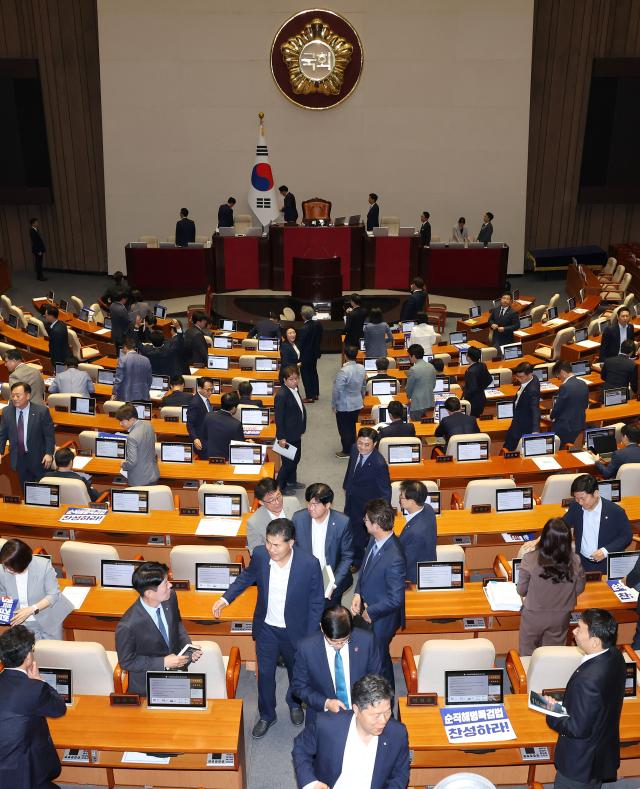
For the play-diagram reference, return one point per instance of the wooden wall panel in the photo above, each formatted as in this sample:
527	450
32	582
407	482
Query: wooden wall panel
567	36
63	36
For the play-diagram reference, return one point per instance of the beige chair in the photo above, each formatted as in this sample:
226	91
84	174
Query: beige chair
5	391
629	476
183	559
6	346
431	486
425	673
463	438
93	668
222	671
627	302
171	411
111	406
209	487
2	541
487	354
553	300
241	222
5	305
616	277
250	344
594	327
548	668
537	312
483	491
446	358
77	303
87	441
450	553
383	446
209	340
61	399
98	315
393	223
235	382
73	492
506	375
557	487
20	315
91	369
288	315
42	332
619	293
83	558
150	241
247	361
82	353
608	269
552	352
160	497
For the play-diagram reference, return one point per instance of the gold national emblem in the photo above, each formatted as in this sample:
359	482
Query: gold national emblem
316	59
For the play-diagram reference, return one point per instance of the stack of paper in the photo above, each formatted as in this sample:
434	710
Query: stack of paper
503	596
546	463
587	344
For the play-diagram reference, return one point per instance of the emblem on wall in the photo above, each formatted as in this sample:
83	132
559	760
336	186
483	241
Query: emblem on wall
316	59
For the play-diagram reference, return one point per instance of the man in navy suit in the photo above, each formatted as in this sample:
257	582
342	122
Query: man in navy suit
336	749
621	370
367	478
28	758
425	229
185	229
29	429
504	320
415	302
630	453
37	248
397	427
195	347
331	661
418	538
221	427
373	214
197	411
456	423
58	337
526	409
225	213
379	597
588	748
309	340
568	414
326	534
291	423
289	210
614	335
290	604
599	525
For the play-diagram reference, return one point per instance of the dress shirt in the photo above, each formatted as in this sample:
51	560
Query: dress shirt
274	516
331	659
25	421
522	388
590	530
362	459
623	334
296	394
278	583
358	761
207	402
592	655
318	539
22	582
153	614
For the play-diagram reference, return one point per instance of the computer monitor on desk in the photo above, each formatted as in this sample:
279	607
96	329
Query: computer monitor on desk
222	505
82	405
60	679
440	576
134	502
404	454
41	495
111	448
106	377
472	450
216	577
538	444
217	362
620	564
616	396
526	321
512	350
384	387
117	573
171	690
482	686
514	499
176	452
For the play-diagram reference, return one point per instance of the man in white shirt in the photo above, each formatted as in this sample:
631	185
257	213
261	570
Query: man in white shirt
423	333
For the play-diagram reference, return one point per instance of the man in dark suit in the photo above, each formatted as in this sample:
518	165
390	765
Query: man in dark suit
526	409
150	633
37	248
367	478
397	427
415	303
615	334
588	748
289	606
185	229
456	423
419	536
477	378
28	758
291	423
245	390
568	415
133	376
326	534
633	581
504	320
119	319
29	429
425	229
58	337
197	411
486	231
165	355
630	453
222	427
177	396
379	597
331	661
621	370
373	214
225	213
64	469
195	345
309	341
333	751
599	525
289	209
266	327
354	324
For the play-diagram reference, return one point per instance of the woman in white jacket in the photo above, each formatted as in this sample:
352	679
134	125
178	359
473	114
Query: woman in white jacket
423	333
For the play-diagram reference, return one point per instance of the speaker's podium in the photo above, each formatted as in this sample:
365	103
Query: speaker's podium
316	279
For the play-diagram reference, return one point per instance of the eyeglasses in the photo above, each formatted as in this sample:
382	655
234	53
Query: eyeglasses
276	497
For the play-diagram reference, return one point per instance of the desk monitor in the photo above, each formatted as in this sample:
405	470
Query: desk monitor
370	365
515	570
552	313
224	343
12	320
404	454
440	412
440	575
406	232
515	295
355	219
617	396
183	415
245	455
541	373
620	563
64	305
227	232
143	408
217	362
222	505
581	335
111	448
380	231
160	383
383	414
86	315
526	322
591	433
170	690
514	499
464	359
130	501
60	680
538	444
604	445
582	367
495	381
443	384
512	350
82	405
212	577
384	387
32	329
610	489
107	323
472	450
340	221
160	311
504	409
323	310
106	377
268	344
254	417
474	687
42	495
60	368
407	326
176	452
433	500
264	388
228	325
116	573
475	311
571	304
458	337
362	348
264	364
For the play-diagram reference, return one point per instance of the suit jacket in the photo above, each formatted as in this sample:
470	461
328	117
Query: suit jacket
119	322
377	339
304	602
140	645
456	424
312	681
398	429
58	343
265	327
251	401
221	428
290	211
619	371
615	529
176	398
72	381
41	582
354	326
309	340
568	412
349	387
133	378
526	414
510	321
28	374
628	454
319	750
338	546
291	422
413	305
167	359
369	481
477	378
610	340
41	439
421	382
196	414
141	461
381	585
93	493
633	580
195	347
588	748
28	756
288	356
418	540
37	244
225	216
185	232
425	234
261	518
485	233
373	217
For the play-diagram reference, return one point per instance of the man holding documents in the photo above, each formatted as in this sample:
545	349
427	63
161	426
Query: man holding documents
141	462
526	409
222	427
291	423
151	634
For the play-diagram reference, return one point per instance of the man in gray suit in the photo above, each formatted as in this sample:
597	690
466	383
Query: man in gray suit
141	462
272	505
29	429
150	633
133	374
421	382
346	399
72	380
21	372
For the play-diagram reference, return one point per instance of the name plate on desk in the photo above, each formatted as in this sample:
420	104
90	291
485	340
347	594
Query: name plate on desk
367	422
474	623
479	508
485	417
83	580
241	627
422	699
511	455
220	760
444	459
218	461
427	420
181	585
189	511
462	539
12	499
171	419
124	700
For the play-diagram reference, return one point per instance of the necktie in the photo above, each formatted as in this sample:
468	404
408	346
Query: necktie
161	627
21	448
502	311
372	555
341	684
359	462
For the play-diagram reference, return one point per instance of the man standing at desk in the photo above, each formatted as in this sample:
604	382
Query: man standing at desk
486	231
621	370
615	334
504	320
568	415
289	210
21	372
225	213
58	337
29	429
133	376
119	319
197	411
37	248
418	537
185	229
355	317
373	214
425	229
141	461
195	345
526	408
291	424
415	303
309	341
222	427
421	383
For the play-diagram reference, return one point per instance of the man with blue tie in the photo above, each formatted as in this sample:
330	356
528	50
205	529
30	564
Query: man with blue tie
379	597
418	538
197	411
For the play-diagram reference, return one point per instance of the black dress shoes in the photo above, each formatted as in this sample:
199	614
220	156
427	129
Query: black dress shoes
297	715
262	727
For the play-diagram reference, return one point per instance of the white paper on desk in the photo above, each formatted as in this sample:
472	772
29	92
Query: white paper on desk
385	399
523	302
289	451
588	344
130	757
580	310
248	468
584	457
102	331
193	370
79	462
520	333
493	393
555	322
546	463
218	527
547	386
76	595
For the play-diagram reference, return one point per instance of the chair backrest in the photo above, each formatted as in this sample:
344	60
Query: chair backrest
171	410
111	406
562	337
209	487
6	346
594	327
537	312
553	300
438	656
213	665
83	558
77	302
5	390
483	491
242	222
287	314
629	476
250	344
506	375
618	274
87	441
235	382
72	491
625	282
61	399
383	446
551	667
190	382
74	343
393	223
446	358
42	332
487	354
160	496
91	670
609	266
462	437
316	208
183	559
6	303
556	488
247	360
22	318
450	553
431	486
91	369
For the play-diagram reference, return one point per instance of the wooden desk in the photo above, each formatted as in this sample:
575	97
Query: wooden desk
520	306
92	723
199	469
470	273
167	273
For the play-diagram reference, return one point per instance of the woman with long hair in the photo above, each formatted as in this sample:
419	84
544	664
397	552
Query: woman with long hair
289	351
550	580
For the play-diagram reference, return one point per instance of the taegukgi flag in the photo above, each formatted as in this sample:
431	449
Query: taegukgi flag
262	192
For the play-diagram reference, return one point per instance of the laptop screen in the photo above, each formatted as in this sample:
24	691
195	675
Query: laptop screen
582	367
440	575
131	501
12	320
474	687
618	396
41	495
106	377
217	362
268	344
265	365
175	452
160	382
541	444
581	335
160	311
245	455
211	577
82	405
541	373
504	409
143	408
620	563
474	312
404	453
526	322
106	323
512	351
262	388
222	504
604	445
227	325
571	304
472	450
32	329
433	499
254	417
591	433
442	384
457	337
384	387
407	326
116	573
370	365
225	343
610	489
176	690
514	499
515	570
111	448
60	680
552	313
